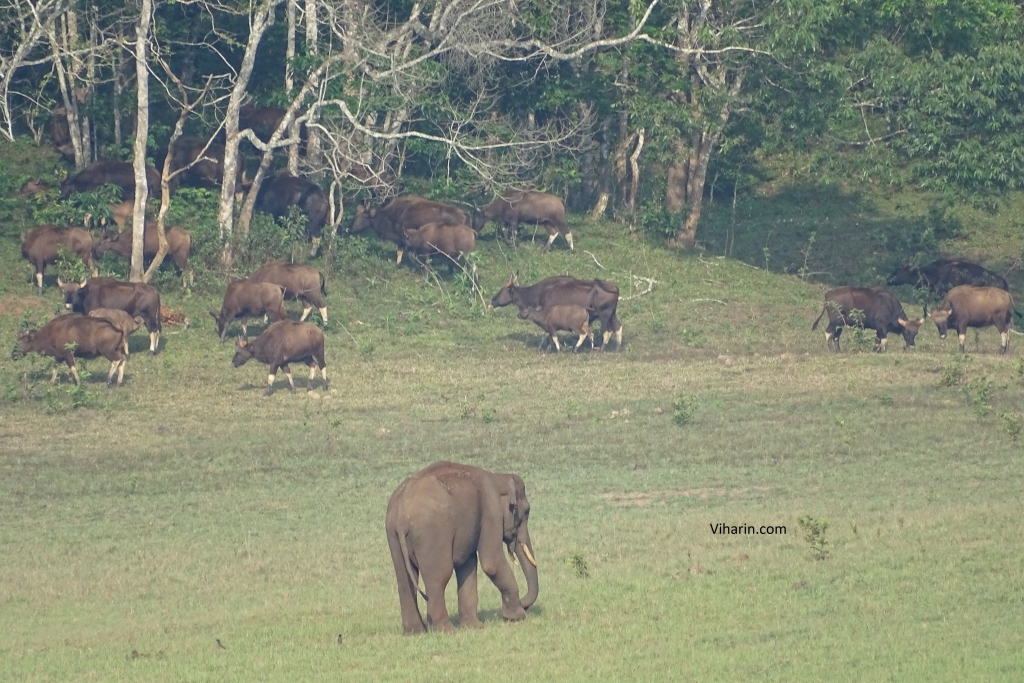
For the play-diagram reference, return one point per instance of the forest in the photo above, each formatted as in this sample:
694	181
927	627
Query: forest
635	111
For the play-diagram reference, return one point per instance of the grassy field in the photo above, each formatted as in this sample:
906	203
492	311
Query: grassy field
151	520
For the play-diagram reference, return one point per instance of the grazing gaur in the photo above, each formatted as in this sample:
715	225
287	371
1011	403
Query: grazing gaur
179	244
599	297
404	213
134	298
437	238
880	311
942	275
304	283
119	319
552	320
109	172
264	121
966	306
245	299
520	206
41	247
75	336
285	342
280	192
207	159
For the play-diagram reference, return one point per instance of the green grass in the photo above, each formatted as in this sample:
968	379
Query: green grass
184	508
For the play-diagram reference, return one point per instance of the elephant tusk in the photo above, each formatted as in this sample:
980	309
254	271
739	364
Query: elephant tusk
529	555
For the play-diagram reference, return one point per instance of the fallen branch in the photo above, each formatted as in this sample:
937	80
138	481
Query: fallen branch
637	280
692	301
593	257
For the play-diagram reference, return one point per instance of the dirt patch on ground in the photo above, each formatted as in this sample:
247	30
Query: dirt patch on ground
645	498
17	305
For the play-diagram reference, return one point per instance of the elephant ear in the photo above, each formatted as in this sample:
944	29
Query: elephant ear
513	502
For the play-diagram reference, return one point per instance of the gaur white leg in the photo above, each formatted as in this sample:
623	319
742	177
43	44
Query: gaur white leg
312	376
323	314
270	384
605	336
323	375
74	373
39	281
551	238
1004	342
114	365
95	271
124	345
618	337
288	374
305	313
828	340
883	342
53	377
245	327
154	341
554	338
398	259
120	372
963	338
579	343
568	238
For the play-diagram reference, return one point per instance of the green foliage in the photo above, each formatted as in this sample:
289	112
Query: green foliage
578	564
70	267
1014	424
81	208
684	408
814	533
954	374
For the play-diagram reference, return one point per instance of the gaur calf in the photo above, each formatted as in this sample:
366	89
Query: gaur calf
552	320
282	343
245	299
134	298
438	238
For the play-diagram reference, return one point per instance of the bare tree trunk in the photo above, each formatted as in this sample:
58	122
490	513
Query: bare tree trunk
262	18
634	186
141	135
118	93
289	82
312	48
42	24
64	81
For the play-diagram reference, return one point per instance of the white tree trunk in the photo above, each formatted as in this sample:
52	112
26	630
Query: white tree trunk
289	80
141	135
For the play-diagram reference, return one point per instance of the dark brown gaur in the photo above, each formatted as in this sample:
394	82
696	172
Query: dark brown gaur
879	308
279	193
245	299
966	306
941	275
179	245
41	247
75	336
109	172
303	283
134	298
282	343
404	213
521	206
554	319
204	164
598	296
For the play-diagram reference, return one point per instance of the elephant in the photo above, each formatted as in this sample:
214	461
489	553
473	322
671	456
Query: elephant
441	520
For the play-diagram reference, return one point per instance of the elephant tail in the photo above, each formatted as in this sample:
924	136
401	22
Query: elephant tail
408	564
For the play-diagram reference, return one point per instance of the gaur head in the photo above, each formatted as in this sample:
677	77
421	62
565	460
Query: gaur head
941	320
905	274
362	220
910	329
524	313
73	293
18	352
479	221
243	352
504	295
221	324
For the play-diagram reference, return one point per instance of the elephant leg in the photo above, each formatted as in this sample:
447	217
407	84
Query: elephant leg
437	572
501	575
412	621
465	577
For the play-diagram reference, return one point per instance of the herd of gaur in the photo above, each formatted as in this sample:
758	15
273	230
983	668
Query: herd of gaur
448	518
972	297
414	224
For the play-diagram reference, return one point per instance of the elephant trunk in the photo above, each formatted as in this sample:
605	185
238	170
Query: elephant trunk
524	553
